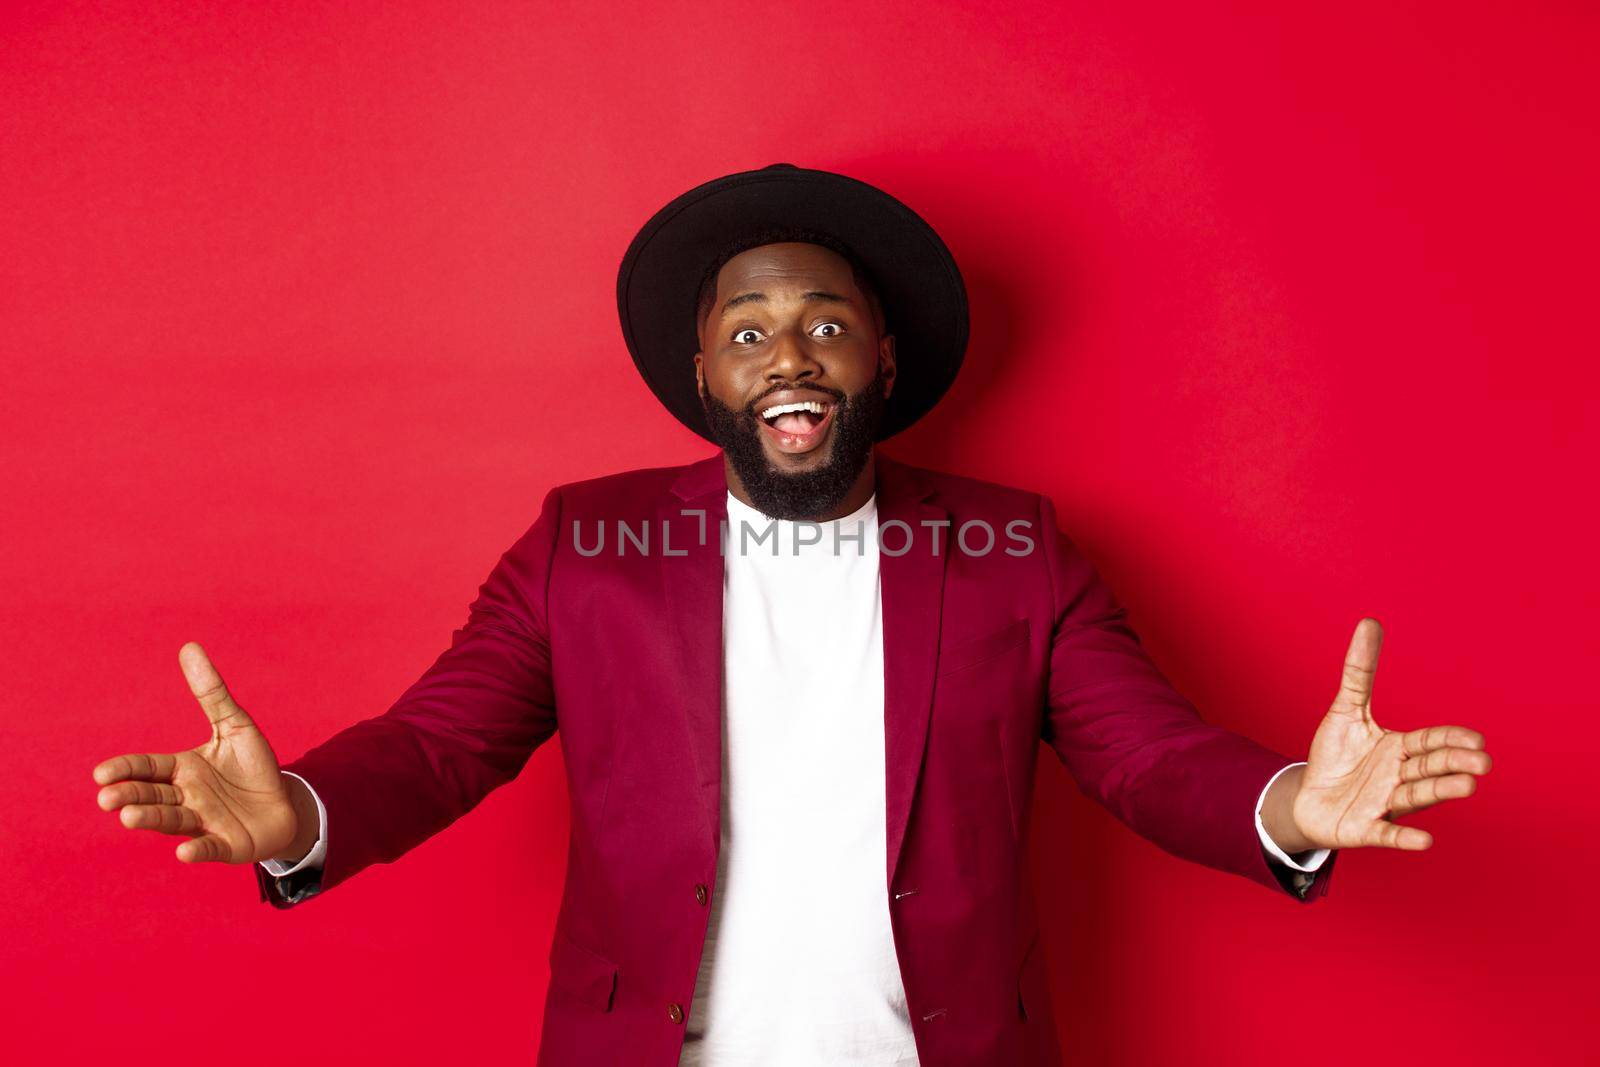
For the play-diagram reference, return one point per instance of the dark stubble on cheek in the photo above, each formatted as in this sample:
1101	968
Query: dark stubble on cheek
804	494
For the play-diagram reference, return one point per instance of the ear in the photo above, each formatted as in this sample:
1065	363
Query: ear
886	361
699	375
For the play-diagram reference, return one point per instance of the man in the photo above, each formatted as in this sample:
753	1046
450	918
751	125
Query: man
800	687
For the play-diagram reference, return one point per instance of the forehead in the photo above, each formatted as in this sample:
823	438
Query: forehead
787	262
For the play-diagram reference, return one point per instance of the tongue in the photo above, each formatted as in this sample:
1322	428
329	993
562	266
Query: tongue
796	422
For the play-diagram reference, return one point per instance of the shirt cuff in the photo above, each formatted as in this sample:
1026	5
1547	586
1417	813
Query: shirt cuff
319	851
1310	860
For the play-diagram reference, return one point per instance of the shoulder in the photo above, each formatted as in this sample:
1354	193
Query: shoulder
622	493
622	483
966	494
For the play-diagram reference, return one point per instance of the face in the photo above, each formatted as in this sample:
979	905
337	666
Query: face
793	373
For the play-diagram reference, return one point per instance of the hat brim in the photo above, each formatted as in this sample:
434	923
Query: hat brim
923	296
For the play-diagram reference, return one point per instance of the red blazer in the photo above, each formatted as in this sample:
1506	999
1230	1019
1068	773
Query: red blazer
985	655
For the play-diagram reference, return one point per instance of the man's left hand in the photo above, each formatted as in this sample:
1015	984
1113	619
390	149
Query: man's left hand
1359	776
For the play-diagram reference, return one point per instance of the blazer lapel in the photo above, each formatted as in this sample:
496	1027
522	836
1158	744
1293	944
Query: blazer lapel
912	585
695	512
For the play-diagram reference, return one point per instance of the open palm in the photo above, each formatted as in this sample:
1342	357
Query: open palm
1359	775
226	795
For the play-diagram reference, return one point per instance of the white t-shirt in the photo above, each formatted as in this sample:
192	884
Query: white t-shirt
799	966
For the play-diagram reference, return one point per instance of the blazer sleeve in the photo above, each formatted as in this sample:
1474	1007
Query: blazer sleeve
467	726
1137	747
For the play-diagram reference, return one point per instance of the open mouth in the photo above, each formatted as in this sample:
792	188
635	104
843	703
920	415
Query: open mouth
798	425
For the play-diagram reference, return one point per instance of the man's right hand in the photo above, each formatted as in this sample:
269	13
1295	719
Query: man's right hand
227	795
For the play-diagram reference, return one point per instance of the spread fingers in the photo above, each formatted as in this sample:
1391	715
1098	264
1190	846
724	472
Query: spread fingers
165	818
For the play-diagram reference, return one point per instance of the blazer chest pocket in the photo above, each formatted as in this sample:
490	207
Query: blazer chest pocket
983	647
581	973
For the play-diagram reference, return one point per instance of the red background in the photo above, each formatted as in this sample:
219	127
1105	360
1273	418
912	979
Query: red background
303	308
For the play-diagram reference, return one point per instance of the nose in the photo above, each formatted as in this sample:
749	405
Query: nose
791	359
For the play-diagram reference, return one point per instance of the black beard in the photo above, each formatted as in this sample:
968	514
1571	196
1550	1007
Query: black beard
800	495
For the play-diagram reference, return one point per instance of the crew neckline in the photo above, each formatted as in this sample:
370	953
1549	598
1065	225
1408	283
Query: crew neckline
751	513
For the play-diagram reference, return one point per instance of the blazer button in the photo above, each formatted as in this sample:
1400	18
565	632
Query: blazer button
700	894
675	1012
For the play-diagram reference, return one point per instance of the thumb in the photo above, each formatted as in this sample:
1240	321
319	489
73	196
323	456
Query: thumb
1360	666
209	689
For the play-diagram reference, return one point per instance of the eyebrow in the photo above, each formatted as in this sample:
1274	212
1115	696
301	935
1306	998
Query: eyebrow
809	296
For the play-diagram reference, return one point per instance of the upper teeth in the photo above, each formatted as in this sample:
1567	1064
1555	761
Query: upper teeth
809	405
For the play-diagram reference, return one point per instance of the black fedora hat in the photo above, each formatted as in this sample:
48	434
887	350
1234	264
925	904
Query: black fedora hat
918	284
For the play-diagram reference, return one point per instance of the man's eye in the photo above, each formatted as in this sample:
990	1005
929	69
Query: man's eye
837	329
741	333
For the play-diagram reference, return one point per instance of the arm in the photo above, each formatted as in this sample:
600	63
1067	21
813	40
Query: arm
1295	875
293	880
463	729
1140	749
312	819
1311	858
